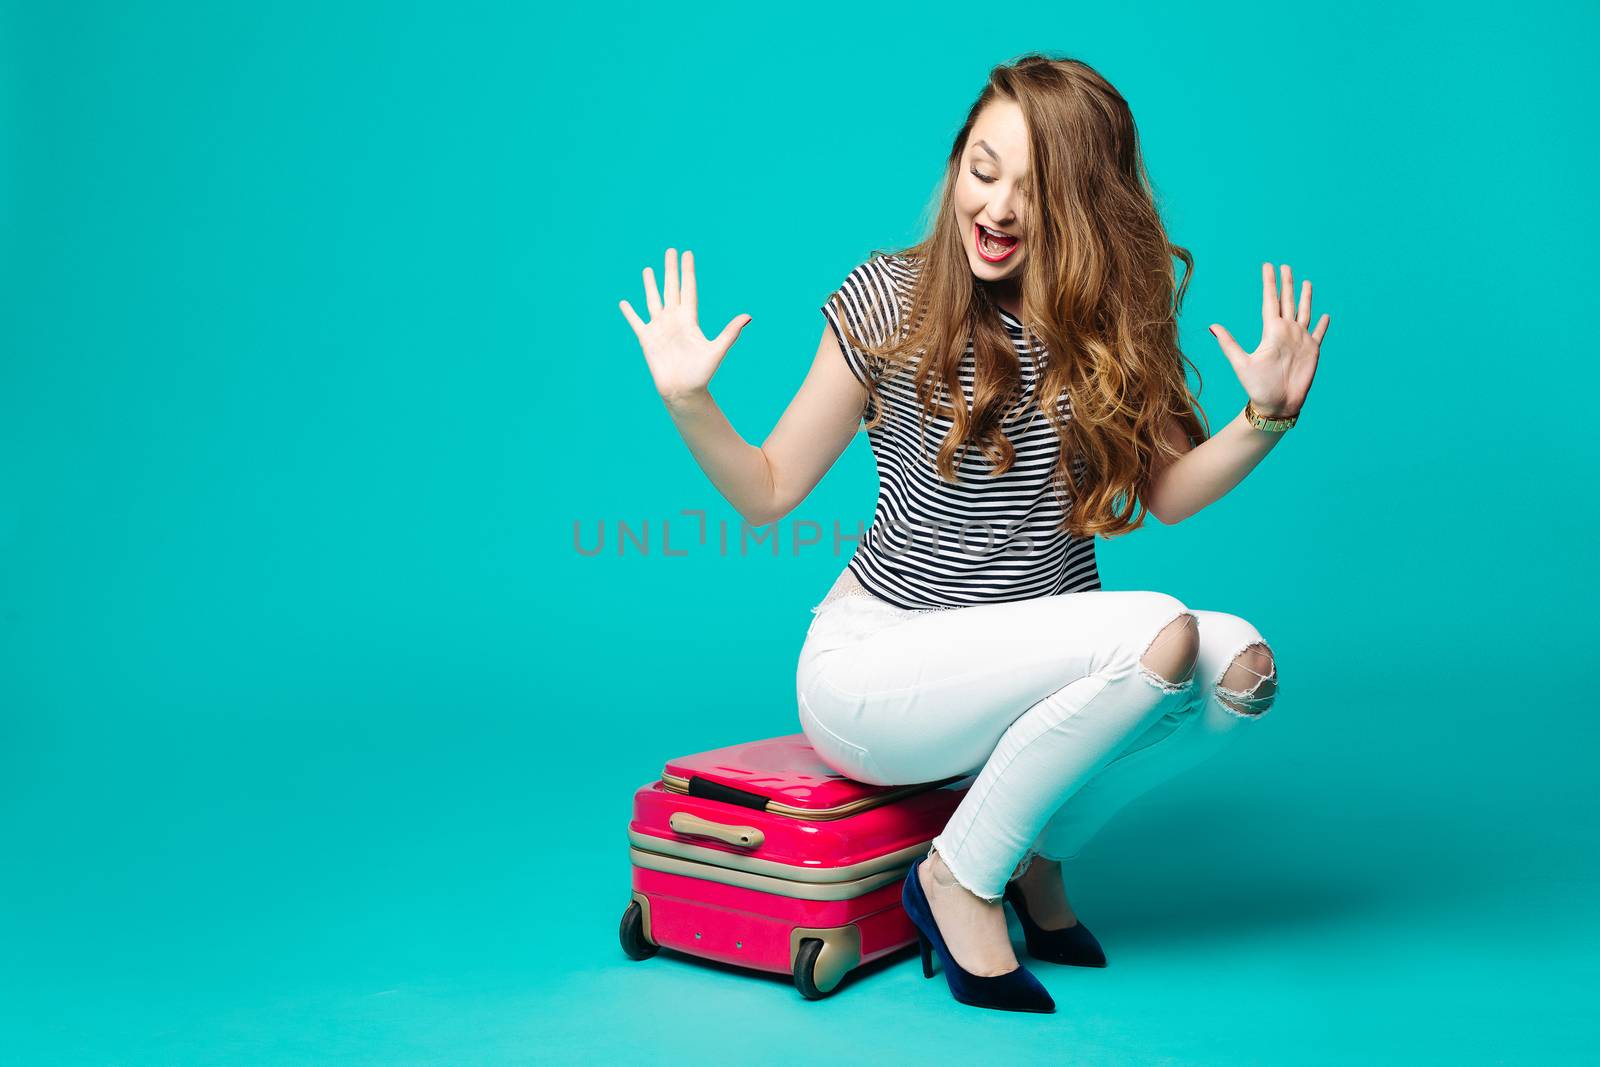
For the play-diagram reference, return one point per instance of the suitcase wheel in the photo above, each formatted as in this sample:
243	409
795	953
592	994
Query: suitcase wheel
805	968
632	934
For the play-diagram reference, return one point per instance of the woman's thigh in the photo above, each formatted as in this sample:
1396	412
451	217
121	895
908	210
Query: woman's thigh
892	697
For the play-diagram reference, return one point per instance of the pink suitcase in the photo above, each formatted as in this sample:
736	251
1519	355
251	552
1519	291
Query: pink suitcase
761	855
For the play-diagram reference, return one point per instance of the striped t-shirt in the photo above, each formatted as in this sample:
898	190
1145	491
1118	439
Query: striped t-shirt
938	544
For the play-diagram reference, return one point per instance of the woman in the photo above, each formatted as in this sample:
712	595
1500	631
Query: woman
969	634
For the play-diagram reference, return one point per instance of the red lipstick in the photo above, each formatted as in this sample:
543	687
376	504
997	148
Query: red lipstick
981	238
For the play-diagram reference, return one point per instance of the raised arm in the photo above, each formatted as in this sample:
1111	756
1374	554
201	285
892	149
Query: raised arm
762	483
1276	377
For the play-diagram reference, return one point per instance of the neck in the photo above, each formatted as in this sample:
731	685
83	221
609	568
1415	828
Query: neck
1007	294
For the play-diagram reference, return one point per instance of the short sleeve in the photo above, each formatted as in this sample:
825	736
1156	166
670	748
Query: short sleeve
866	302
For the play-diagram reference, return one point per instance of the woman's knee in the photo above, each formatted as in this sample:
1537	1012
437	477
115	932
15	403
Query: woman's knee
1168	660
1242	669
1249	682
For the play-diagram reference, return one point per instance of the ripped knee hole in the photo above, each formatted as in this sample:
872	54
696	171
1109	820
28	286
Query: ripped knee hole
1169	659
1250	683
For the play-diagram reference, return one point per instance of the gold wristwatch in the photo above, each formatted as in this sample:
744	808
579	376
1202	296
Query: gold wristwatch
1261	422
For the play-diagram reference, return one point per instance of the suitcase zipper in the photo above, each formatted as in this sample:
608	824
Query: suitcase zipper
701	787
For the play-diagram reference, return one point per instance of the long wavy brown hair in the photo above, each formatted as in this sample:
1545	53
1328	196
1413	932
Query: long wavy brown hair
1098	291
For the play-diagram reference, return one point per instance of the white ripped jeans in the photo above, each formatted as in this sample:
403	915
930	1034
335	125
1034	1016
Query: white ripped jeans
1049	702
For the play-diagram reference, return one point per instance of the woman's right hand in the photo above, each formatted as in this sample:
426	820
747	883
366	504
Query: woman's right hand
680	357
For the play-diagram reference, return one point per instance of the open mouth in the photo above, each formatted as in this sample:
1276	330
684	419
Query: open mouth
993	245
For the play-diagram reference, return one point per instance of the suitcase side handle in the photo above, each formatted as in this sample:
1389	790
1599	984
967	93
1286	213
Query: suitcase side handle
682	822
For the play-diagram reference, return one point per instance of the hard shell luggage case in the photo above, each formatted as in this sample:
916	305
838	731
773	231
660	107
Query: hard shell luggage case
761	855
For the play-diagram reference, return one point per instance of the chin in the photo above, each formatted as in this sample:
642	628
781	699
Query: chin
986	271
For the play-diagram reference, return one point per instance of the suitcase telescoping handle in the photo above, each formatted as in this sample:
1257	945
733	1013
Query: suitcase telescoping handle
743	836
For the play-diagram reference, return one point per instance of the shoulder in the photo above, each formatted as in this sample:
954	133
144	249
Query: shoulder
877	270
894	271
874	291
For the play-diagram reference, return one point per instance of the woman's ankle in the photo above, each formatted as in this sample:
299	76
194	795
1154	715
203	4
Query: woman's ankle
940	872
945	879
1040	871
1044	888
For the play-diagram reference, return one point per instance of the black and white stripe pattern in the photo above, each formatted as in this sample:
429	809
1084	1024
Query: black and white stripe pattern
935	544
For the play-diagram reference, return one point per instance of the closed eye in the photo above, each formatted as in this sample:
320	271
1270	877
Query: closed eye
986	179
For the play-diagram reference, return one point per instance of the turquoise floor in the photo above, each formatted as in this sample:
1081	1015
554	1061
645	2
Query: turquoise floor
349	898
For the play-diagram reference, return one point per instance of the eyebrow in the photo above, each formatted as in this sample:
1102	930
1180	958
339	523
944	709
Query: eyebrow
985	146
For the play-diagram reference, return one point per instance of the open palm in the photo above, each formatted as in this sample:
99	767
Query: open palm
682	360
1277	375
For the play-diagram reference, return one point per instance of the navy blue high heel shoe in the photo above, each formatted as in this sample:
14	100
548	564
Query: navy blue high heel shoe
1075	945
1016	990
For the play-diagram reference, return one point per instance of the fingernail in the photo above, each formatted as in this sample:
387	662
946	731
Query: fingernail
1213	330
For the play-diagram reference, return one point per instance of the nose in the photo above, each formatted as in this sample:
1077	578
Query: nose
1002	211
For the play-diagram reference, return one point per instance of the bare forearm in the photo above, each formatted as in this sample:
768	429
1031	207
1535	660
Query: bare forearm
1208	472
738	469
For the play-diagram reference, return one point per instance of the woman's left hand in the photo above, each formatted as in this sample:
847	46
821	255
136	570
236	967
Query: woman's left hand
1277	375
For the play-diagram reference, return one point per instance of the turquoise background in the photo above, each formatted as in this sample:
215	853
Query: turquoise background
318	737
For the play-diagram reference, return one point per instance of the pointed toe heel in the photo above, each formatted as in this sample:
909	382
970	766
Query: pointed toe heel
1016	990
1074	946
